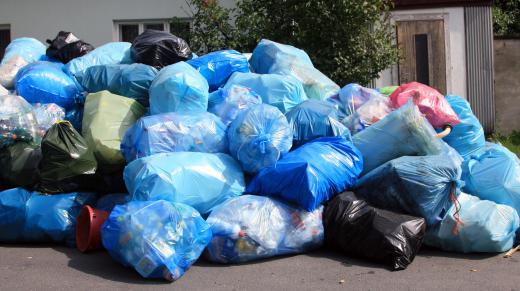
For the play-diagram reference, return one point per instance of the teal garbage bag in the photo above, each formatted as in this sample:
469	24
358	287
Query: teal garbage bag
228	102
132	81
45	82
404	132
34	217
111	53
467	137
313	119
30	49
259	136
283	92
249	227
311	174
474	225
493	173
159	239
179	88
218	66
270	57
174	132
423	186
201	180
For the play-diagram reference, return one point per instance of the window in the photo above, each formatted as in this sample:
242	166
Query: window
5	38
129	30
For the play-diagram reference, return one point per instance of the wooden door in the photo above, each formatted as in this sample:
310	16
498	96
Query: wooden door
422	44
5	39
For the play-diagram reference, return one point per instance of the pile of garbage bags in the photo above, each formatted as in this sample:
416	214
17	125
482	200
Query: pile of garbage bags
163	157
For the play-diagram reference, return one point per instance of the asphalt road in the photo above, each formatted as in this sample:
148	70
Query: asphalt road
60	268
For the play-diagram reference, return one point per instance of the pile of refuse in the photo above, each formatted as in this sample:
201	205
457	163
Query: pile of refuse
160	157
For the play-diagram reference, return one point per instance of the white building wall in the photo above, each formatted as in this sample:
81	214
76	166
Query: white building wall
90	20
455	46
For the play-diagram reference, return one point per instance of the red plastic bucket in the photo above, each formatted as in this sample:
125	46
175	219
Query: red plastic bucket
88	228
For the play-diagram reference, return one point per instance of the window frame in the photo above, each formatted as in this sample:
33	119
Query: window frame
116	34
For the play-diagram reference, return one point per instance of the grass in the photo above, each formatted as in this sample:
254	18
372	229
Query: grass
512	141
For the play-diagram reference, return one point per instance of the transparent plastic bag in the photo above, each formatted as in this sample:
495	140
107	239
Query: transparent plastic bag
259	137
46	115
248	228
173	132
159	239
228	102
9	70
17	121
3	91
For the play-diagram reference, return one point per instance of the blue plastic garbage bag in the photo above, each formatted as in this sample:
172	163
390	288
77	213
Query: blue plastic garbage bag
174	132
111	53
159	239
34	217
249	227
179	88
259	136
45	82
423	186
109	201
493	173
201	180
404	132
311	174
30	49
467	137
283	92
313	119
75	116
132	81
270	57
481	226
46	115
218	66
228	102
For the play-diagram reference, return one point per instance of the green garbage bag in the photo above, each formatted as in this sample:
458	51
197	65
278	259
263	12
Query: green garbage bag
66	156
106	118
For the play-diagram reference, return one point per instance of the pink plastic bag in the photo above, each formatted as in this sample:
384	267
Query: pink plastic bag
431	103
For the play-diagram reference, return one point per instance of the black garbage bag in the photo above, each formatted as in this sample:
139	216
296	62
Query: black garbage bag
159	49
67	163
19	164
360	230
66	46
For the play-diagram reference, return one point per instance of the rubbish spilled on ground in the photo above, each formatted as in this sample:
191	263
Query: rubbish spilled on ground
161	157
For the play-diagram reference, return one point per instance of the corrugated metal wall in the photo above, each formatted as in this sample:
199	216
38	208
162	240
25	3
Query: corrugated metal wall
479	64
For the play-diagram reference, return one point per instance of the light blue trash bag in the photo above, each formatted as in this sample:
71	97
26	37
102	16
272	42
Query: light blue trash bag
259	137
218	66
270	57
467	137
159	239
201	180
30	49
34	217
474	225
493	173
404	132
228	102
45	82
179	88
283	92
111	53
248	228
174	132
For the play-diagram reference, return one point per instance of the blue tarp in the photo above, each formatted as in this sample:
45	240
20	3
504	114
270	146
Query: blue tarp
218	66
311	174
45	82
173	132
159	239
252	227
111	53
33	217
486	227
228	102
283	92
200	180
30	49
259	136
179	88
132	81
